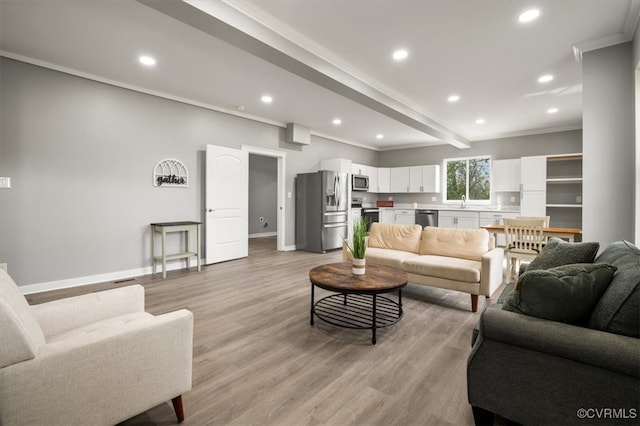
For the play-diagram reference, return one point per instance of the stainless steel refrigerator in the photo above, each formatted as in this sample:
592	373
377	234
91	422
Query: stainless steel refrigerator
322	210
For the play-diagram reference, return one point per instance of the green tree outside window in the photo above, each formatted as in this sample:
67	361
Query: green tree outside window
470	177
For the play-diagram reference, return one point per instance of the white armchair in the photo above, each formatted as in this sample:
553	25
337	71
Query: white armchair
95	359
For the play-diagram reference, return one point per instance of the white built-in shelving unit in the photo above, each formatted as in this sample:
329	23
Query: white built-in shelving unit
564	190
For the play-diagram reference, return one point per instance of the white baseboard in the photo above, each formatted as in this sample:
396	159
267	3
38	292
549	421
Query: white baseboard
263	235
290	248
99	278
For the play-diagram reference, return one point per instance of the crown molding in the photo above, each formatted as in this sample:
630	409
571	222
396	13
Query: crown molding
628	30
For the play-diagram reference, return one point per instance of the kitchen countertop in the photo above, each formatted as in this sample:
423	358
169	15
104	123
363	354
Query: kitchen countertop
405	206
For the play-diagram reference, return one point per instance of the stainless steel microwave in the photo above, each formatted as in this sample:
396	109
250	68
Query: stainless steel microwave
359	183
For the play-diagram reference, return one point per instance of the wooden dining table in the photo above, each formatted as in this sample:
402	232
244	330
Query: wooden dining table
569	234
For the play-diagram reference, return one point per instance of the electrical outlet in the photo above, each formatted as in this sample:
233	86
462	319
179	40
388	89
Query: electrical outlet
578	199
5	182
434	198
512	199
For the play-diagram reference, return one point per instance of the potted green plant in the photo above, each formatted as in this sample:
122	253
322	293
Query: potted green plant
358	245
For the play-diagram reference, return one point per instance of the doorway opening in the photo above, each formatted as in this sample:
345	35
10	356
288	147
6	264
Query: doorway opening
264	160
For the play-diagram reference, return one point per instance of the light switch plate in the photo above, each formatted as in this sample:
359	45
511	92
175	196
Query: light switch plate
5	182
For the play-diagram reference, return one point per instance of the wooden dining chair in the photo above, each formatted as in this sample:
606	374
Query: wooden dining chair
546	219
525	240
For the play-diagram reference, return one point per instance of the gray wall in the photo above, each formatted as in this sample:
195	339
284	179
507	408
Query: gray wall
499	149
609	144
80	155
636	71
263	192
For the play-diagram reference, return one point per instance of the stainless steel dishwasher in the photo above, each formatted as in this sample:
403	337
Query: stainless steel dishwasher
427	217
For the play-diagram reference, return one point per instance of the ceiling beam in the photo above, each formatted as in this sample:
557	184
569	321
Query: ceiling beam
237	28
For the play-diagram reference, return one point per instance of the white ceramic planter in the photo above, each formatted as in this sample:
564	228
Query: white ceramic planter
358	266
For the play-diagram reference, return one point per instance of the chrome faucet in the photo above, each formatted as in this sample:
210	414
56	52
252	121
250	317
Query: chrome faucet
464	198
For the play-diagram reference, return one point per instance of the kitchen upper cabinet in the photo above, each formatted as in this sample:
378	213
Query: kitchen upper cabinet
341	165
533	186
506	175
431	178
399	179
384	180
415	179
533	173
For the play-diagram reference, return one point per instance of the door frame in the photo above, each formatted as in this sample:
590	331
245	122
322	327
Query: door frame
281	156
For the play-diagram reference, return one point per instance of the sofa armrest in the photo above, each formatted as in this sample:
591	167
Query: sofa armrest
62	315
491	271
102	377
592	347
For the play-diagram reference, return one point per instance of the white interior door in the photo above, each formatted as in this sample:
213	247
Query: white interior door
227	204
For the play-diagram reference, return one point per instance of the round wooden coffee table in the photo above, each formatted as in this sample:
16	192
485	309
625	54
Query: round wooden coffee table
358	303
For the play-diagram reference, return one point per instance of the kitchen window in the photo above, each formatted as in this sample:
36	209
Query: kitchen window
469	178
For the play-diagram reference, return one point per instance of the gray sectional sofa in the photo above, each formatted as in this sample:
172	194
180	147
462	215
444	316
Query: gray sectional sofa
536	371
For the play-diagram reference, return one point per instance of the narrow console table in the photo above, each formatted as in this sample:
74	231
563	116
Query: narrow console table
163	229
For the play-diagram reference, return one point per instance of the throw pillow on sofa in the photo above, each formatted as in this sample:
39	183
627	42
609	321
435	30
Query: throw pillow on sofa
618	310
558	252
566	294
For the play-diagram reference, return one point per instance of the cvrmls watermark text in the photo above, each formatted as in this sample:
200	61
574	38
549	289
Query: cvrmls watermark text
607	413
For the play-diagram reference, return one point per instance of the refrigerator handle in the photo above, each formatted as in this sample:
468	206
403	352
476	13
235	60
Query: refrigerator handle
338	194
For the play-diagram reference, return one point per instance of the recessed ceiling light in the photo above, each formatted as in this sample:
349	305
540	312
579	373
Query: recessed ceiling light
400	54
147	60
453	98
337	121
379	136
480	121
552	110
545	78
266	99
529	15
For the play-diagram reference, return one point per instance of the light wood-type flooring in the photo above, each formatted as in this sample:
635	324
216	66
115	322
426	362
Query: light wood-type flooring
257	361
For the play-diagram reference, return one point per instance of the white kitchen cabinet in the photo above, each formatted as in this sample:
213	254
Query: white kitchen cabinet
404	217
415	179
387	216
336	164
533	173
384	180
496	218
430	178
506	175
533	186
458	219
399	179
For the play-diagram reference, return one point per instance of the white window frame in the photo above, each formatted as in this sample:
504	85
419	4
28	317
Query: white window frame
444	180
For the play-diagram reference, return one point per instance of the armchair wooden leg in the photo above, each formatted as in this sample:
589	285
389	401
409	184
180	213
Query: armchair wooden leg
474	303
482	417
177	407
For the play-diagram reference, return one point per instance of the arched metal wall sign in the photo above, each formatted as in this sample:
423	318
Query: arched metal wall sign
170	173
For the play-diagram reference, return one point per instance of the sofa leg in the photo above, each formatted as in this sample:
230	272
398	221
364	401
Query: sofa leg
482	417
474	303
177	407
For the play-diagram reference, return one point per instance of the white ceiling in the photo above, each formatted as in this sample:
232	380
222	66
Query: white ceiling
322	59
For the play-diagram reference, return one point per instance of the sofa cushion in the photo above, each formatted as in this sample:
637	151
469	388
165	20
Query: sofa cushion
388	257
461	243
566	294
20	331
558	252
395	237
618	310
449	268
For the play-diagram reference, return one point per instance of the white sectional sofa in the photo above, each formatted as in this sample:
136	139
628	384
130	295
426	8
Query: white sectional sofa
456	259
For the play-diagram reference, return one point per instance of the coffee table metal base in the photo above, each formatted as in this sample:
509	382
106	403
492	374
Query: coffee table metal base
357	311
